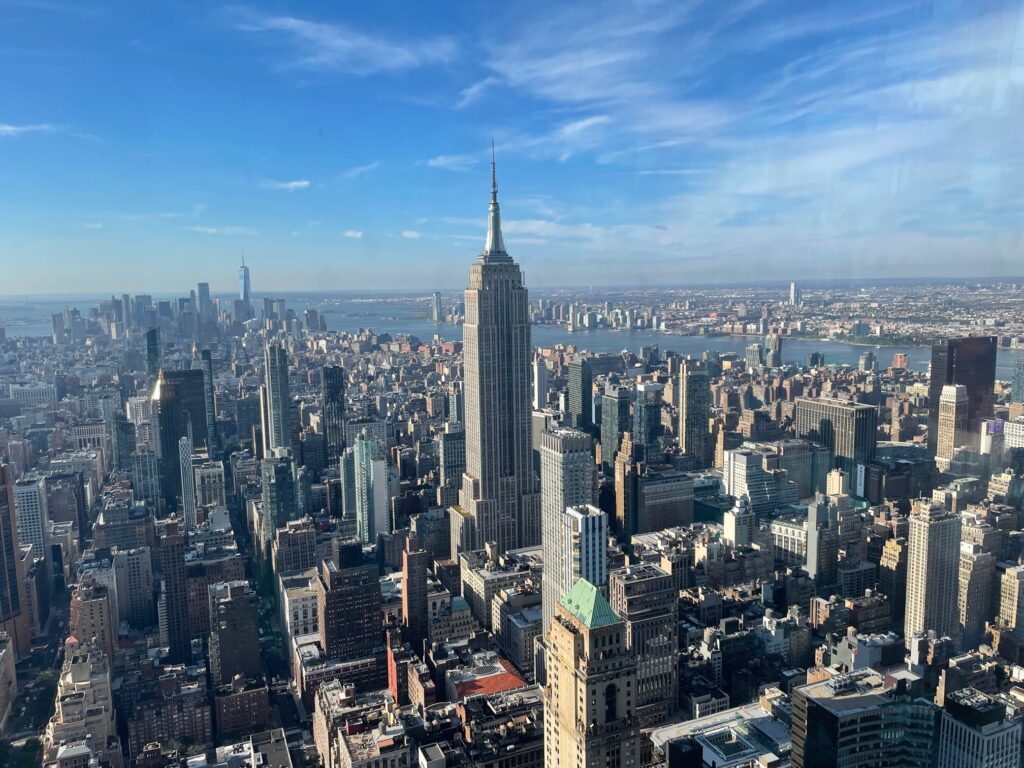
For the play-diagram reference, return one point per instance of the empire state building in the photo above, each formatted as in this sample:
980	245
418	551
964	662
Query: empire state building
499	501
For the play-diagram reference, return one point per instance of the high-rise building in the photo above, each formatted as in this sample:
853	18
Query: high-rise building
1017	386
581	394
32	514
188	483
153	351
933	565
953	428
13	602
848	721
1011	600
647	600
277	432
277	480
745	476
794	294
234	632
773	350
627	473
615	403
647	426
974	731
372	488
175	594
206	365
694	410
499	500
146	478
567	475
92	615
740	524
414	594
349	604
970	361
179	399
583	547
589	698
244	286
540	383
332	408
848	430
436	309
211	489
754	357
977	581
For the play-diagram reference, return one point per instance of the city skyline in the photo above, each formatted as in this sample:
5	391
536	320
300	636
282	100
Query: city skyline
674	142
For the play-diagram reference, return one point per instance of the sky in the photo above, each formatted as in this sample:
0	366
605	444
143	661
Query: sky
346	146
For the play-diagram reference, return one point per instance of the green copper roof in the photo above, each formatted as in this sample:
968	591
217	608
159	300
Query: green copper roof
586	603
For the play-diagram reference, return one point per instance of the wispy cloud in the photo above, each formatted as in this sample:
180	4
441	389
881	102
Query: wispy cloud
322	46
474	92
93	225
361	170
285	186
224	230
452	162
410	234
355	234
7	129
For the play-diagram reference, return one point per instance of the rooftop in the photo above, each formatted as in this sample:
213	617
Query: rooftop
586	603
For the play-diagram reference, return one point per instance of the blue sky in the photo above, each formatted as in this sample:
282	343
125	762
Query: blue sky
144	146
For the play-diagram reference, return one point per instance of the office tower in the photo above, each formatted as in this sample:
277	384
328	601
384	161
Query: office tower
188	483
627	472
153	351
694	411
373	494
744	476
794	294
892	577
436	309
581	394
647	600
932	572
179	400
205	305
615	404
175	593
499	500
133	571
332	408
347	475
867	362
1017	387
349	604
591	681
953	430
206	365
974	731
583	548
567	479
740	524
1011	600
277	480
540	383
846	429
664	499
32	515
647	421
244	286
277	432
211	487
970	361
146	478
849	721
234	632
122	441
13	604
977	580
92	616
415	562
773	350
452	456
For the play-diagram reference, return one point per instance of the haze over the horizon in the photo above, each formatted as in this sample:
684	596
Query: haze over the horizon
347	147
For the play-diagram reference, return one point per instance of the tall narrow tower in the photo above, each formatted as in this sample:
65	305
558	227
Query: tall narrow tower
694	409
499	501
278	433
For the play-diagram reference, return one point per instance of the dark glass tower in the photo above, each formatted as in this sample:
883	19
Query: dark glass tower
332	408
581	396
971	361
179	398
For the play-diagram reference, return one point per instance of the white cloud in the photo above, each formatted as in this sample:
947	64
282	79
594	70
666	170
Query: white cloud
355	234
474	92
286	186
7	129
321	46
410	234
360	170
452	162
93	225
224	230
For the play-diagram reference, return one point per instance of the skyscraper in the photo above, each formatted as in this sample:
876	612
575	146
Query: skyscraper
977	580
179	398
567	479
188	483
848	430
583	547
647	421
589	697
206	366
414	594
373	494
615	404
953	430
349	604
1017	388
277	432
794	294
277	480
436	309
175	593
13	612
581	395
971	361
244	286
499	499
540	383
332	408
234	632
153	351
932	571
694	410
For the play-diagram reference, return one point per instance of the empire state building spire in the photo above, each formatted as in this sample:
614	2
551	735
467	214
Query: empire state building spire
494	249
